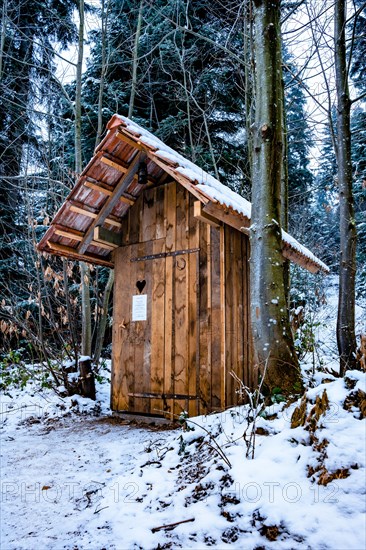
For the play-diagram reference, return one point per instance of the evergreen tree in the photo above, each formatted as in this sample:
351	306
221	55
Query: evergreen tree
358	128
189	91
30	33
29	30
299	143
357	29
324	206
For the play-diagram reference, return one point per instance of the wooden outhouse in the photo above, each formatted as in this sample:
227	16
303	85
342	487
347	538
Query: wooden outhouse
178	241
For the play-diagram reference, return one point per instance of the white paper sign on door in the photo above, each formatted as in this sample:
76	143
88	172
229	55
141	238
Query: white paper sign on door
139	307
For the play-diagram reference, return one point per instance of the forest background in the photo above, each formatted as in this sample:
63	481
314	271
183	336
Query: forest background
183	69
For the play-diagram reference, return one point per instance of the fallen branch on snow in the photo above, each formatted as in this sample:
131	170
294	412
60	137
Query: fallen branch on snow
171	525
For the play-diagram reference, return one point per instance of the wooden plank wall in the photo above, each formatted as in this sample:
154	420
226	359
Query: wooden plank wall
198	341
237	304
217	322
161	221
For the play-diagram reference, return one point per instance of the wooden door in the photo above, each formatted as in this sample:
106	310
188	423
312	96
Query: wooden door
155	358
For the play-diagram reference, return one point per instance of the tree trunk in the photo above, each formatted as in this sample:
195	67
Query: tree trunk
273	342
84	269
347	269
101	328
105	12
87	381
70	319
3	35
103	318
79	67
86	332
135	61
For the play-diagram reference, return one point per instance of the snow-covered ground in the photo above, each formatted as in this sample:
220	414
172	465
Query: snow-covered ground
73	477
326	319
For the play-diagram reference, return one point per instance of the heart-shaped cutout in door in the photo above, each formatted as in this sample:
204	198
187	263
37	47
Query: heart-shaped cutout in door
141	285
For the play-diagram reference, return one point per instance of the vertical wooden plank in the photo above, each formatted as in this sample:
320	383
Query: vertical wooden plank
123	305
116	375
193	311
180	330
170	230
204	389
215	320
244	255
133	330
134	216
170	202
209	316
223	317
160	214
239	325
148	216
169	328
180	310
234	315
182	219
120	348
143	331
157	326
231	350
125	230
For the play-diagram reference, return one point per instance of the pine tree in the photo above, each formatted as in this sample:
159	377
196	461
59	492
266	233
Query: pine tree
300	141
188	91
358	128
31	31
357	28
325	205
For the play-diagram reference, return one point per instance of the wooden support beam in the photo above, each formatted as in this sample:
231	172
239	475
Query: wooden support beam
229	217
200	214
68	235
78	236
98	188
162	163
187	184
302	261
82	211
68	252
105	246
127	139
102	235
108	192
114	164
111	201
93	215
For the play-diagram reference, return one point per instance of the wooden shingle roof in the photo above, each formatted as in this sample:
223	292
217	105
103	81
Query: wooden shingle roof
111	183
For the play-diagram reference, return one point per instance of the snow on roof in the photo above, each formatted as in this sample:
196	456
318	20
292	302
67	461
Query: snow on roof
205	182
210	186
303	250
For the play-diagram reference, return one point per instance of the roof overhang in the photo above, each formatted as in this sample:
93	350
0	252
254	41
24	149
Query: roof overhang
88	224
